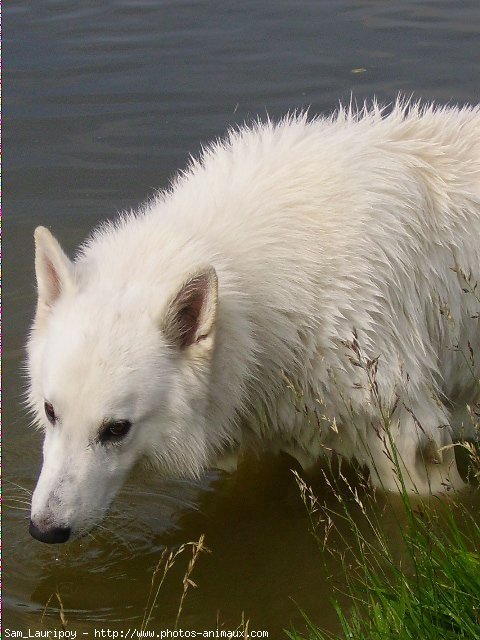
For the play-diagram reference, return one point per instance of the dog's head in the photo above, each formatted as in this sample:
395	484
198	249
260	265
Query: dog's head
115	376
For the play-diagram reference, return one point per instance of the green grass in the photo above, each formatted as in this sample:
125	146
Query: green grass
432	594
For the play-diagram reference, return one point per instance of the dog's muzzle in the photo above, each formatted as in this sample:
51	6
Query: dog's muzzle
50	535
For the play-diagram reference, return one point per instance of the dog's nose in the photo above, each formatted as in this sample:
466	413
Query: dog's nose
52	535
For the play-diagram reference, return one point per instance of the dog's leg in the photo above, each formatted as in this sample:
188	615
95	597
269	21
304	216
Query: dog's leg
413	454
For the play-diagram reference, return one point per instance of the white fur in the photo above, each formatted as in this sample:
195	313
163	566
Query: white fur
317	230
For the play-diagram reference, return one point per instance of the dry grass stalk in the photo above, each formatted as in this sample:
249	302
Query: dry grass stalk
197	548
63	618
166	562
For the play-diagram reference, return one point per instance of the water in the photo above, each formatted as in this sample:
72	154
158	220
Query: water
103	102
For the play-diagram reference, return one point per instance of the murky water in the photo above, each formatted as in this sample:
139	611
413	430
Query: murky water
103	102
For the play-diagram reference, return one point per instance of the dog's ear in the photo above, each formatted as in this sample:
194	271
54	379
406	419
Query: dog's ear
190	315
54	271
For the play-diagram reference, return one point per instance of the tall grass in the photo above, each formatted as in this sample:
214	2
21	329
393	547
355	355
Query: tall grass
433	593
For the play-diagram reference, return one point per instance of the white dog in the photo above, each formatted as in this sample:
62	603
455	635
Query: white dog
304	286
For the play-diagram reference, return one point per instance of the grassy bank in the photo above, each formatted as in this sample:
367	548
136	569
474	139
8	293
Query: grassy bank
421	581
432	593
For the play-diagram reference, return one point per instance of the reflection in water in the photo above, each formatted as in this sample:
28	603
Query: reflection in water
264	560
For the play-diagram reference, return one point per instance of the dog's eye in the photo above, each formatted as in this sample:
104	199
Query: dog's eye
50	412
115	431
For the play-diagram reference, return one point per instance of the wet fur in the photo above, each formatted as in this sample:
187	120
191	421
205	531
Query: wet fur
325	248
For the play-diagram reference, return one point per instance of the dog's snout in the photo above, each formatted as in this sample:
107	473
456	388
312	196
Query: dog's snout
50	535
